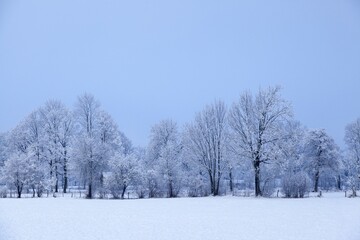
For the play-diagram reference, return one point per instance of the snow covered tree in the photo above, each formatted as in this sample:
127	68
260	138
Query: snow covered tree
19	139
196	180
4	148
97	139
87	159
65	140
125	144
110	142
206	140
16	172
123	172
256	124
352	160
291	147
57	123
295	181
321	153
296	185
25	143
164	151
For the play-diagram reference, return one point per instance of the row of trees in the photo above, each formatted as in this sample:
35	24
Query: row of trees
254	144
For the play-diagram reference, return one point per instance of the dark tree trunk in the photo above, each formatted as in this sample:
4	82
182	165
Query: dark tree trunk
57	185
51	174
212	182
89	195
65	183
317	176
257	178
65	175
123	191
57	180
218	171
102	190
19	191
231	181
171	189
338	182
217	187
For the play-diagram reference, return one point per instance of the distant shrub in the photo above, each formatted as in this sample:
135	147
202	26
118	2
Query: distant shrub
197	187
268	187
3	191
296	185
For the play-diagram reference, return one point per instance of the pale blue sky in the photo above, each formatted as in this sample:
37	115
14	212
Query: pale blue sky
150	60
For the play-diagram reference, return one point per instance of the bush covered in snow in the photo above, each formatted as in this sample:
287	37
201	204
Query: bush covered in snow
296	185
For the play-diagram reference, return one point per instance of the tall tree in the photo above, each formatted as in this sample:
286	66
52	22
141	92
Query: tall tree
65	140
86	158
110	141
164	151
25	144
256	123
96	140
206	140
321	153
57	124
352	161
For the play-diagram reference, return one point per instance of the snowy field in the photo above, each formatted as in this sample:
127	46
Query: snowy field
329	218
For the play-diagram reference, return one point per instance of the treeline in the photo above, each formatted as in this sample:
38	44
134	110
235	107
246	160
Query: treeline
255	144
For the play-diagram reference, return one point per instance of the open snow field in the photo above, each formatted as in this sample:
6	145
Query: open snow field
332	217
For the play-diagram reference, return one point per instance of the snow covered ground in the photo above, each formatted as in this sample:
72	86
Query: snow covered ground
331	217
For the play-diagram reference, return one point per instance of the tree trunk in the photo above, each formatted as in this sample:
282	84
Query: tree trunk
19	190
57	185
89	195
65	175
57	180
354	192
171	190
212	182
231	181
65	182
317	176
257	178
123	191
338	182
102	190
217	187
218	171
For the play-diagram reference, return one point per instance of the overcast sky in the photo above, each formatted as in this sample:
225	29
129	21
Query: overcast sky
150	60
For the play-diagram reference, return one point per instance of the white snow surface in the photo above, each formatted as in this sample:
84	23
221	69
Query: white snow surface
329	218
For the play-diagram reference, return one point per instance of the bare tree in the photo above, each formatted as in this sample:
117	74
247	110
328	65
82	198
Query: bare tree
206	141
256	124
